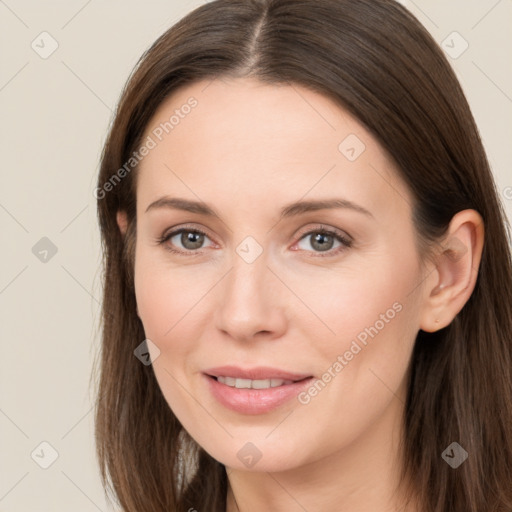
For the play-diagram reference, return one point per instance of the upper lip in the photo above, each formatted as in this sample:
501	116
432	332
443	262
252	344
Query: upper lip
255	373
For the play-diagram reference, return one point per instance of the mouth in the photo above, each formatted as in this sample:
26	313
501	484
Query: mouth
254	391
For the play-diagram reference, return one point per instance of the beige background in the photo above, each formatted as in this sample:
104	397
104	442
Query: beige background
55	113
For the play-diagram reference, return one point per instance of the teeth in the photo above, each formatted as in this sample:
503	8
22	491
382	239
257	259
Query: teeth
253	384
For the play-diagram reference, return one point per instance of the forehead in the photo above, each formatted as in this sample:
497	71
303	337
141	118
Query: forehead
240	139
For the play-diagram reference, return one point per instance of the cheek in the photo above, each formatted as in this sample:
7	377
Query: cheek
364	364
357	302
165	296
153	304
373	318
165	301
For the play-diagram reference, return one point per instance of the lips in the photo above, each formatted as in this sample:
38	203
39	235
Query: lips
256	390
255	373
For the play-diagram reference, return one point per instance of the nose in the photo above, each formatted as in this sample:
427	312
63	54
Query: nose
251	301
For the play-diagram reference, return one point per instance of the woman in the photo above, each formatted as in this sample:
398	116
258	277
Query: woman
308	281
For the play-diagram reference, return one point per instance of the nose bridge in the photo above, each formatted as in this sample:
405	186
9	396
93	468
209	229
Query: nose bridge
249	299
248	279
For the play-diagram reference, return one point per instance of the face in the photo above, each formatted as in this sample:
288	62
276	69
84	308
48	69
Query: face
321	304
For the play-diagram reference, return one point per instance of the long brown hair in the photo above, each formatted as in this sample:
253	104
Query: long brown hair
377	61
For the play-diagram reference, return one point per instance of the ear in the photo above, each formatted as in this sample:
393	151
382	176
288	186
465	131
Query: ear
452	281
122	221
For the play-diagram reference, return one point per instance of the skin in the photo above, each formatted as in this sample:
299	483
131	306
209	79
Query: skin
249	149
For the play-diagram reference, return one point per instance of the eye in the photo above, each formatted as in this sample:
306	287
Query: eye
323	240
190	239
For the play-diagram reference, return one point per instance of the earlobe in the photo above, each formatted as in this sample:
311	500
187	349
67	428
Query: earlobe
456	270
122	221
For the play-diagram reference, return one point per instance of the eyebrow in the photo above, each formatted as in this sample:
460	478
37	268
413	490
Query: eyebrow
291	210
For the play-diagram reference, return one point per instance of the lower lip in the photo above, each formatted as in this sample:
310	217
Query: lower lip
255	401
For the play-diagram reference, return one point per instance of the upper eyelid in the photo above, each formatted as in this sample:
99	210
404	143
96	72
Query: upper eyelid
300	233
177	230
322	227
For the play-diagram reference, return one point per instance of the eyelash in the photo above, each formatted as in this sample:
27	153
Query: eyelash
346	242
